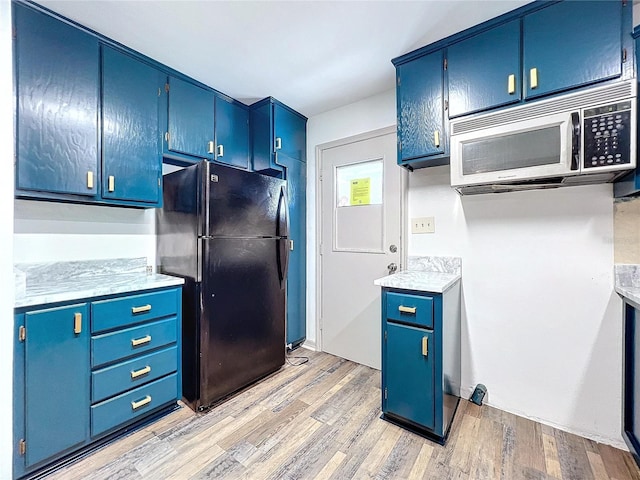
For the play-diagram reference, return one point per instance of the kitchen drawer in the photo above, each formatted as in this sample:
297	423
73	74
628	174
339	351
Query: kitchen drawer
125	311
120	377
133	404
413	309
114	346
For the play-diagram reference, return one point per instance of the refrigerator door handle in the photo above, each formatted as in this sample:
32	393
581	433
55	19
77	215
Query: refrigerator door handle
283	214
283	260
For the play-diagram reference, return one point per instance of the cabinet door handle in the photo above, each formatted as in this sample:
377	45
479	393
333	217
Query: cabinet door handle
210	147
141	309
511	88
278	143
142	371
77	323
135	342
90	180
291	245
425	346
403	309
220	150
112	183
141	403
436	138
533	78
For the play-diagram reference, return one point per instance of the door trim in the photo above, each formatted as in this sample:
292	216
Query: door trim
404	226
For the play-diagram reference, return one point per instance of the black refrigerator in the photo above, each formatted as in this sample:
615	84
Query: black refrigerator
225	231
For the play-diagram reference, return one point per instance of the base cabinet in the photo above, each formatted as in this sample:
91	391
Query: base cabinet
89	369
421	359
631	379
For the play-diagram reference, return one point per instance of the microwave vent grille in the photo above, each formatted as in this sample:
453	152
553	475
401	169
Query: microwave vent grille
574	101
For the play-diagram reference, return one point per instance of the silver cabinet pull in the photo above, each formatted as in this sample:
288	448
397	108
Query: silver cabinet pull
425	346
403	309
511	84
140	341
141	403
210	147
90	180
141	309
533	78
436	138
220	150
112	183
142	371
278	143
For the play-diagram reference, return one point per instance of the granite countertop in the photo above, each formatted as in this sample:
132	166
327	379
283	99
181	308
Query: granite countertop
627	281
436	282
68	281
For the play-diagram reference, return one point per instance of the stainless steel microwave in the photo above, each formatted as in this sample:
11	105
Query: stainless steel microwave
583	137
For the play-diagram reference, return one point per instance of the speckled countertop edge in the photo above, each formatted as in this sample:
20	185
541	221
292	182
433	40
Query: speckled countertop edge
436	282
627	281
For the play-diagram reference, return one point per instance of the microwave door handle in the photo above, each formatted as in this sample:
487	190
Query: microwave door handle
575	141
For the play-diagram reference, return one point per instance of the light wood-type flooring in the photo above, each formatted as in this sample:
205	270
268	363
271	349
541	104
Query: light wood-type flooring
321	421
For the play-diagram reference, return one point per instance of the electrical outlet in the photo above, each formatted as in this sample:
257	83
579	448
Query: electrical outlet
423	225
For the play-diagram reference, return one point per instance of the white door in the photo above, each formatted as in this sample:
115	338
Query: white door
361	188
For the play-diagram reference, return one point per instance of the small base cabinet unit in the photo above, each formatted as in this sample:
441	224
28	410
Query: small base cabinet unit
86	371
631	377
421	359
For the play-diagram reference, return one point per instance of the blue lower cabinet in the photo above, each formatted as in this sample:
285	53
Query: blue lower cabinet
129	406
72	388
421	368
631	379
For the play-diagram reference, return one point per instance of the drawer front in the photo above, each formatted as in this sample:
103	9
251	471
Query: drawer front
414	309
132	309
121	377
133	404
114	346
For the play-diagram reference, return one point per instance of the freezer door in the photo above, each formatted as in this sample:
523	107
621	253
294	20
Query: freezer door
243	314
241	203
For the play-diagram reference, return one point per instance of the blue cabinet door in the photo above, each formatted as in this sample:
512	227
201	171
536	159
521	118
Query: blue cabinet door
571	44
296	176
409	375
232	133
57	84
132	162
290	133
484	70
191	116
420	115
56	381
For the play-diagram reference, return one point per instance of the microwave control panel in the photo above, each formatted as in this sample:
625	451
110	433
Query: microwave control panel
607	135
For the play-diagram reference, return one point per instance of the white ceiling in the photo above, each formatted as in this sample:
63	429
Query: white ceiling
312	55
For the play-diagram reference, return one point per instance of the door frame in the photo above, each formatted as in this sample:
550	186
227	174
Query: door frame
404	225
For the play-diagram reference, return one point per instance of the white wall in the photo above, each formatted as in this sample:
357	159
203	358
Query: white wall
49	231
6	241
541	323
373	113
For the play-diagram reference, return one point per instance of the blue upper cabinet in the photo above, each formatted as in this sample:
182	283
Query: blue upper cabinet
276	130
232	132
191	120
420	108
570	44
484	70
132	161
57	84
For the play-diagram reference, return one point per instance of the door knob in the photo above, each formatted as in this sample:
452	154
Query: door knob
393	268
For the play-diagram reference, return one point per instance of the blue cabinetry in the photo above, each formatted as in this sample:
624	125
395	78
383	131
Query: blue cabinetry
484	70
570	44
631	378
232	132
421	359
57	86
89	369
420	97
131	138
190	120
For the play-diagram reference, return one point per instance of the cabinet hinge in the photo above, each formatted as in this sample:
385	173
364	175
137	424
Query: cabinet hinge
22	333
159	182
446	105
385	336
166	87
159	91
624	3
166	137
22	447
445	64
400	145
385	393
14	33
624	55
398	80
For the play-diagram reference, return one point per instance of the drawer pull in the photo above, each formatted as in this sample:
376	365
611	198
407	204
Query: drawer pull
533	78
511	87
141	403
139	373
404	309
425	346
112	183
140	341
143	308
77	323
436	138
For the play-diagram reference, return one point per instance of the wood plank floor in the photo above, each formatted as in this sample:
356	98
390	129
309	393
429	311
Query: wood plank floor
321	421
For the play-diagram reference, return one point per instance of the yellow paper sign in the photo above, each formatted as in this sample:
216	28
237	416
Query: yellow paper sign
361	191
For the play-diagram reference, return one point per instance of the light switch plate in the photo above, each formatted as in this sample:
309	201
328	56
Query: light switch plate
423	225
